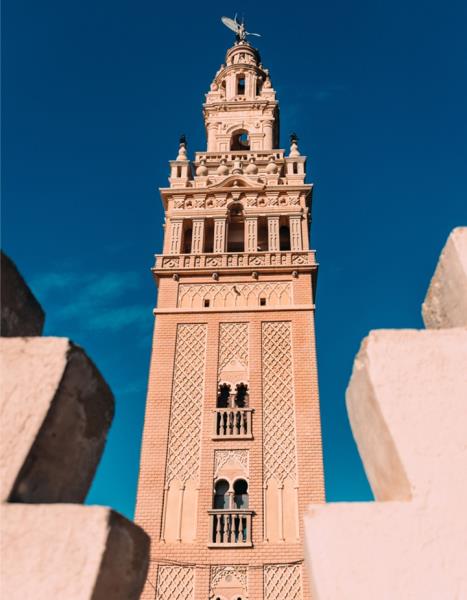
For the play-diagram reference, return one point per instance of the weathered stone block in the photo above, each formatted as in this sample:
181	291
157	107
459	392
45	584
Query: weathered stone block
56	410
21	313
71	552
407	401
446	300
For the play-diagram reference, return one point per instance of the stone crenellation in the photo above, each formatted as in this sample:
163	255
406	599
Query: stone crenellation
406	401
56	412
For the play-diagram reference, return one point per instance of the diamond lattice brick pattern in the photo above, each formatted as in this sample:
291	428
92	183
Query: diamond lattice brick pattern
175	583
283	582
187	401
233	344
278	401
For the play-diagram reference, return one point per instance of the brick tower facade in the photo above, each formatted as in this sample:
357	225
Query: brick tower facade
231	451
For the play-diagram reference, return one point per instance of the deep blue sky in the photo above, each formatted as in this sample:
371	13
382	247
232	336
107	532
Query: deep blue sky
95	95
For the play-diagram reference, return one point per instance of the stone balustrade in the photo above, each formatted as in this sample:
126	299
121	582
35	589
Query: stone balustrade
233	423
230	528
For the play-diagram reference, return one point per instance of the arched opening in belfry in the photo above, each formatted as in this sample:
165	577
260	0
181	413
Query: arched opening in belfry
221	495
187	236
236	229
240	494
209	235
284	234
240	85
262	234
259	86
240	140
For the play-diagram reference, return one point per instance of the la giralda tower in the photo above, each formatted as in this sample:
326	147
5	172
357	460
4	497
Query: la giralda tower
231	452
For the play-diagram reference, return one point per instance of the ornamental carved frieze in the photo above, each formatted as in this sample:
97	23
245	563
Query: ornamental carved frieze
252	199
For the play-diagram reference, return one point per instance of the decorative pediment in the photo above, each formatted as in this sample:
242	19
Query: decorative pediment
235	182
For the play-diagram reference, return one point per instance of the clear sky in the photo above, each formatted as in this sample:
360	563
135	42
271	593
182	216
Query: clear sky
95	95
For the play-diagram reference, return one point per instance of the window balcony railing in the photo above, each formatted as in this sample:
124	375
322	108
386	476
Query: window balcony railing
230	528
233	423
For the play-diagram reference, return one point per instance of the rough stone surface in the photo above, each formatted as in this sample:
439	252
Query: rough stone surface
71	552
407	402
21	313
446	301
56	410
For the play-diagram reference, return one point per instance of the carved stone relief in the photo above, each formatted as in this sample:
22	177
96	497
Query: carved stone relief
229	460
274	293
254	198
229	582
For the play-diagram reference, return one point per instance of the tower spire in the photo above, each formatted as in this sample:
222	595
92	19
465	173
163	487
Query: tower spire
231	452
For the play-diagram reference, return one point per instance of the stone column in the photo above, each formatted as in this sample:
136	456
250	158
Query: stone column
197	244
295	233
267	135
251	234
219	235
273	234
212	129
176	227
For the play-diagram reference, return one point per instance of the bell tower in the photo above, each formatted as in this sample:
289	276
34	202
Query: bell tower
231	452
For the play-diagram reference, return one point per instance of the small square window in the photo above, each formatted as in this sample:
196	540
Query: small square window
262	301
206	303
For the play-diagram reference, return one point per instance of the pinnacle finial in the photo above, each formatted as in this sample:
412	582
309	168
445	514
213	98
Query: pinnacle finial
182	147
294	145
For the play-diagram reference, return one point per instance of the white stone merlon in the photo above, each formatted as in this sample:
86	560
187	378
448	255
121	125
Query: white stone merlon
407	407
407	401
71	552
446	300
56	410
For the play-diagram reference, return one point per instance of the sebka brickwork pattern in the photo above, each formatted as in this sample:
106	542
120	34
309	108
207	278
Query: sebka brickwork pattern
278	400
233	345
175	583
283	582
187	403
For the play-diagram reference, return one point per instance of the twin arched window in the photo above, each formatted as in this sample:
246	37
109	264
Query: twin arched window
230	498
227	399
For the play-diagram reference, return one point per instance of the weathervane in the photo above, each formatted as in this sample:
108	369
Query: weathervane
238	28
